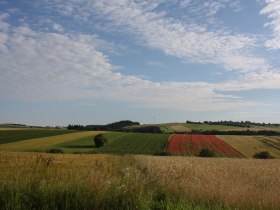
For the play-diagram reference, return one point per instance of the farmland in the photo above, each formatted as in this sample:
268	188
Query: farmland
249	145
56	181
37	143
12	135
82	142
202	127
184	144
82	145
137	143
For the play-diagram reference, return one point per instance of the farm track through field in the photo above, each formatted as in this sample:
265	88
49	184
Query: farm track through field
33	144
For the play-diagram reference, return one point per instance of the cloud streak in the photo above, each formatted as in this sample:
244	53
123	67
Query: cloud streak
272	10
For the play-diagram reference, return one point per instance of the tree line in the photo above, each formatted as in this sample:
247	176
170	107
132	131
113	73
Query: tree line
116	126
234	132
246	123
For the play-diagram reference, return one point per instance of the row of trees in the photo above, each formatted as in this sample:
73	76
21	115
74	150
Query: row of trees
233	132
116	126
234	123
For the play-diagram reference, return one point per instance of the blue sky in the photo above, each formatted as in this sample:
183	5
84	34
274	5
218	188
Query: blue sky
156	61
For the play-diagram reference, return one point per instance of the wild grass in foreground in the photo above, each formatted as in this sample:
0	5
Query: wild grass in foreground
48	181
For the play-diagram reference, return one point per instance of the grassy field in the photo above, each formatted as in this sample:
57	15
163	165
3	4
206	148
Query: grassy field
82	145
130	143
249	145
49	181
137	143
38	143
19	134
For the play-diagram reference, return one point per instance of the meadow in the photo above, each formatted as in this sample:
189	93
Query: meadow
117	142
56	181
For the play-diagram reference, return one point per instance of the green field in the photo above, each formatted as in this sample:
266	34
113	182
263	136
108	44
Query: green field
131	143
82	145
138	143
9	136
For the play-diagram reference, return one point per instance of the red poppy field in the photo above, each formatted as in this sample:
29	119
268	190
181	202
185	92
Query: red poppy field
186	144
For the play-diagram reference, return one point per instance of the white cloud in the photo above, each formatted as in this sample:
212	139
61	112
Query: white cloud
57	27
48	66
272	10
190	42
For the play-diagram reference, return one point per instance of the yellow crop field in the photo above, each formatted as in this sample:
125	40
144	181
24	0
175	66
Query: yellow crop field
249	145
180	128
37	143
83	181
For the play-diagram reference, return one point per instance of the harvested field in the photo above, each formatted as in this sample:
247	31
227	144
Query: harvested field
185	144
249	145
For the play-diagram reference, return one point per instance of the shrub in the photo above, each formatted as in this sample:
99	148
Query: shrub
262	155
99	140
162	153
59	151
206	152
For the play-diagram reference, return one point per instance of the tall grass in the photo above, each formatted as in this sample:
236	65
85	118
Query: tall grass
55	181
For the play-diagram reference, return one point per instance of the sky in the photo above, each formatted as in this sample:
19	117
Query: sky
157	61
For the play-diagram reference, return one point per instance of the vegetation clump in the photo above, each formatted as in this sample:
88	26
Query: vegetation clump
55	150
100	140
206	152
262	155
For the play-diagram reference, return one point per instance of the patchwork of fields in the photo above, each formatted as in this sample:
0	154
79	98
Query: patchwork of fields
136	143
42	142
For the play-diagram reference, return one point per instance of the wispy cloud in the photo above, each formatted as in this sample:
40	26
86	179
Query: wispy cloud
272	10
38	65
49	66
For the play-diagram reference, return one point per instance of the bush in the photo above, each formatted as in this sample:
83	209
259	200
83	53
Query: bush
162	154
100	140
262	155
59	151
206	152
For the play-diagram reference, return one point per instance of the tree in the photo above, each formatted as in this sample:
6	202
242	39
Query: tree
99	140
206	152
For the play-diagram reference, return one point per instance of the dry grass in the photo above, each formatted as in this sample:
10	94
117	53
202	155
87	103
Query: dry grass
180	128
239	183
55	181
249	145
37	143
